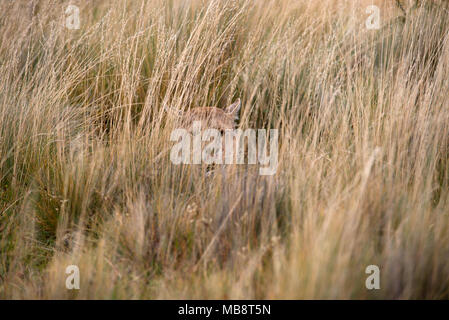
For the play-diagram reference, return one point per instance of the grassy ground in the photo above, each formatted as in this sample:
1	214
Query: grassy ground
86	179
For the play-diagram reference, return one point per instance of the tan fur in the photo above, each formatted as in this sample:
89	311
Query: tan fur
212	118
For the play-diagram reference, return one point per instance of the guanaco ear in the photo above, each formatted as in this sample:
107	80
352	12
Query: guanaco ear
234	108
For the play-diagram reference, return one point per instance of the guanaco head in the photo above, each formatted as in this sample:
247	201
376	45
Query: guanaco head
212	118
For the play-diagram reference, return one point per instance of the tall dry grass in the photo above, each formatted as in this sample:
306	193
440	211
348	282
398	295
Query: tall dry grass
85	176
